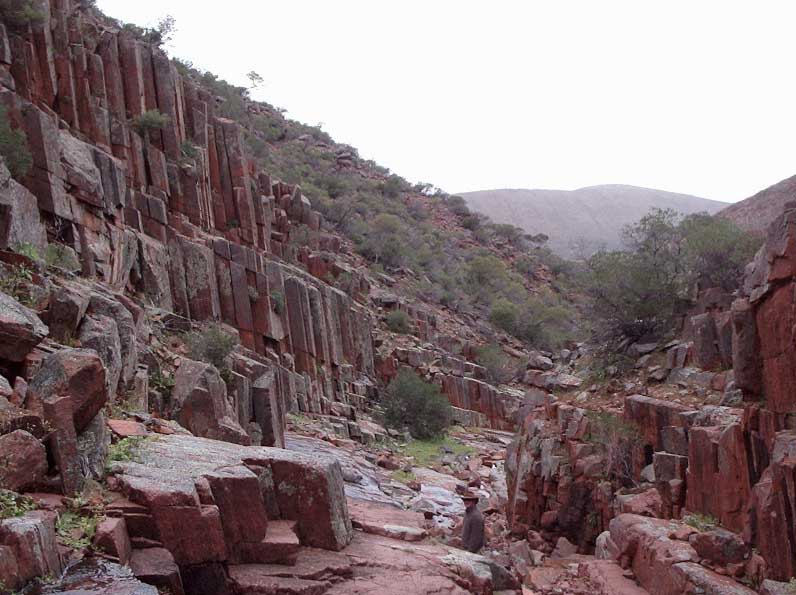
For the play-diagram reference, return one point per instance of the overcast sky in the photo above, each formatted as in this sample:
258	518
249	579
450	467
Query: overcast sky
692	96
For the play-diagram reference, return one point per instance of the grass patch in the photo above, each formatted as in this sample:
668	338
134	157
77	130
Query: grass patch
700	522
427	452
75	529
404	476
14	505
126	450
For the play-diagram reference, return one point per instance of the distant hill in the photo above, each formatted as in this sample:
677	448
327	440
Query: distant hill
758	211
584	219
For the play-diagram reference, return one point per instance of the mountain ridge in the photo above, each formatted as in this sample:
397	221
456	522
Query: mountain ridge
580	221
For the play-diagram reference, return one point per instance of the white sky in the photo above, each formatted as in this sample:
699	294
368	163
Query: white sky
694	96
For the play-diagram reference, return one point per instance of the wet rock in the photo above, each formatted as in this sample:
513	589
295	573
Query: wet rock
20	329
23	461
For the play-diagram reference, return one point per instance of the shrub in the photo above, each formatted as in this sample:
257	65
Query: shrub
150	121
504	315
14	147
59	256
398	322
412	403
615	437
14	281
20	13
498	365
189	150
212	345
277	301
715	251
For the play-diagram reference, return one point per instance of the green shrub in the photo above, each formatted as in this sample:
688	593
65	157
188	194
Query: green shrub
398	322
20	13
616	438
505	315
14	147
150	121
409	402
188	150
212	344
29	250
498	365
14	281
62	257
277	301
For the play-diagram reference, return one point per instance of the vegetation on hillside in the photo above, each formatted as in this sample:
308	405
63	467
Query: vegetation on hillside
396	226
411	403
641	291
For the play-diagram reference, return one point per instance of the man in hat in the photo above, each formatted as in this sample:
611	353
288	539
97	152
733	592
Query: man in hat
473	528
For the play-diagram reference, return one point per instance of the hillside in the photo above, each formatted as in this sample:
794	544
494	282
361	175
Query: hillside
757	212
585	218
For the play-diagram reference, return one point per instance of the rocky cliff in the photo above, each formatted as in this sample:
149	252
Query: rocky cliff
123	239
682	493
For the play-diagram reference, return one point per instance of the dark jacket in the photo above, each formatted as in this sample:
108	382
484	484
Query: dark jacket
473	530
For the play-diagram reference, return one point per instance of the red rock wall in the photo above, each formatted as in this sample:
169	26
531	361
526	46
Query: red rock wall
201	237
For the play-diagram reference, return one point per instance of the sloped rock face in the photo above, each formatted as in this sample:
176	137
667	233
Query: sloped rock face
203	238
20	329
734	465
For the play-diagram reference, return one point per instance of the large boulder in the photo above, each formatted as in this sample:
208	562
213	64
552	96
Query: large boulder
75	373
199	402
23	461
20	329
68	304
208	499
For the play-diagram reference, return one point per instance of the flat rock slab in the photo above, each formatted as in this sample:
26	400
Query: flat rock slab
388	521
212	488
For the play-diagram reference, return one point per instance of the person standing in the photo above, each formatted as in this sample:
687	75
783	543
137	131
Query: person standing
473	528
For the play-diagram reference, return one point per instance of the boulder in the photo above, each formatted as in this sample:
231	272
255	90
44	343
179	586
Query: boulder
76	373
20	329
720	547
30	541
23	461
68	305
111	537
199	402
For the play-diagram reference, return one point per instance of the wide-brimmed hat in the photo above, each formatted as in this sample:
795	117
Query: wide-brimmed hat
470	495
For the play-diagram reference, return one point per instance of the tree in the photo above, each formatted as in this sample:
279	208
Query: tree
716	251
410	402
255	79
